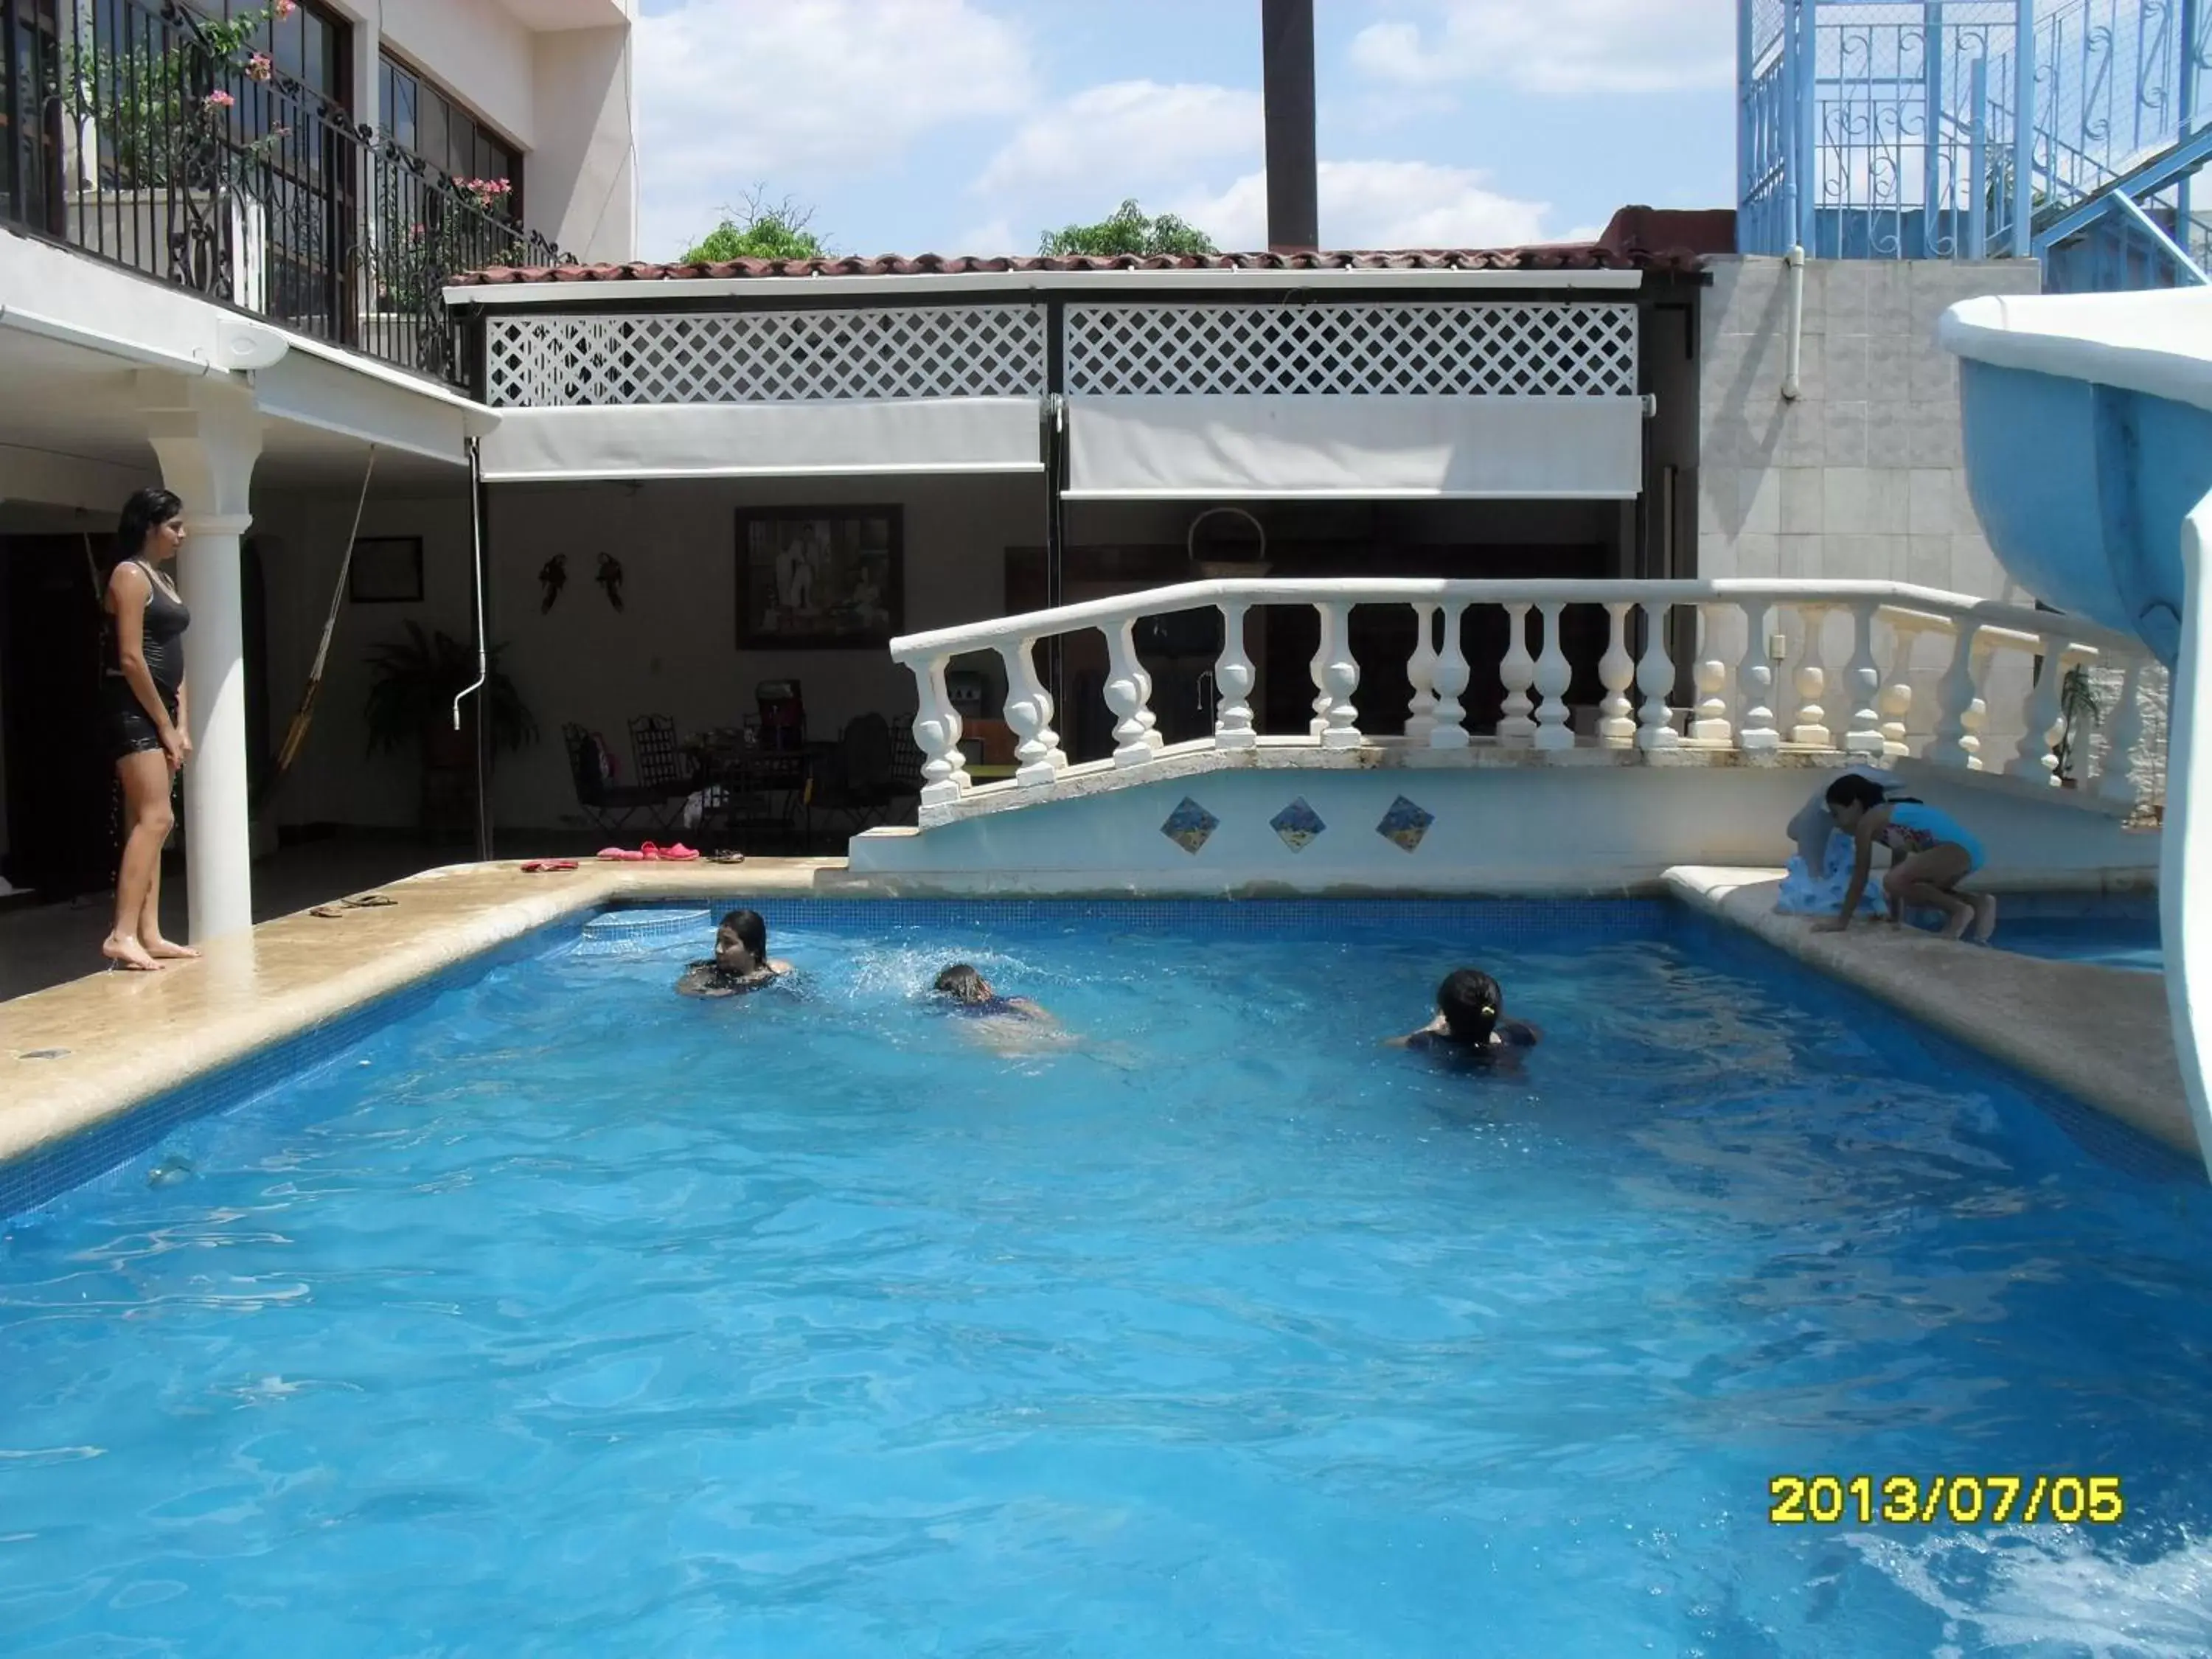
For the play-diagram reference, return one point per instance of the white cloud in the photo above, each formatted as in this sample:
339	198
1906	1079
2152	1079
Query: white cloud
732	92
1557	46
996	236
1125	137
1379	204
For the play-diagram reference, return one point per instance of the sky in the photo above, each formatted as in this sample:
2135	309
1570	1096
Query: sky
970	126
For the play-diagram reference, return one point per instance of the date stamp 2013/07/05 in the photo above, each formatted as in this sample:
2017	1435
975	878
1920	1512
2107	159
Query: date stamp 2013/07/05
1963	1500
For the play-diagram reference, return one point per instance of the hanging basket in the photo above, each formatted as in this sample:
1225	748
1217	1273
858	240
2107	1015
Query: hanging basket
1227	569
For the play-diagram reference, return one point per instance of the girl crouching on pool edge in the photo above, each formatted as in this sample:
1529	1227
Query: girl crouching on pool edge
1930	855
740	963
1470	1020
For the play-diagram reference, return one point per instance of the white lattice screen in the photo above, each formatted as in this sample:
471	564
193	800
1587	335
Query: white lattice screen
767	356
1515	350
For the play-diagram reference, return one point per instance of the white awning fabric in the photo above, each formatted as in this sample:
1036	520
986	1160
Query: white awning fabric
778	440
1281	447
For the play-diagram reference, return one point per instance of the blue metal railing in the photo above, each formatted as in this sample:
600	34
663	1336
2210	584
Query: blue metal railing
1969	129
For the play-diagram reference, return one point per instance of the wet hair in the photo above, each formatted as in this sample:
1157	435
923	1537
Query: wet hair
1852	790
748	930
1469	1000
146	511
962	984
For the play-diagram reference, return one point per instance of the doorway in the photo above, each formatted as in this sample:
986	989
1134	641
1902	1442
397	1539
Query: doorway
61	807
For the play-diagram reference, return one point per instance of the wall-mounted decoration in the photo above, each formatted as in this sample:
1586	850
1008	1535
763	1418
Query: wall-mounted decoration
386	570
610	577
820	578
1190	826
552	577
1297	824
1406	824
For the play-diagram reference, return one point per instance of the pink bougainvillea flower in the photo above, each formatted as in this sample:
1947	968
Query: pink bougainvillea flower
220	100
258	68
284	8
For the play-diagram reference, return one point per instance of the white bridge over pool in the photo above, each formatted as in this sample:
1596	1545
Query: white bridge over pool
1724	688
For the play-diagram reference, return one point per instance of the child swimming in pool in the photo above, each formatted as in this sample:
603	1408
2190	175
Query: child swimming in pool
740	963
968	993
1930	853
1470	1021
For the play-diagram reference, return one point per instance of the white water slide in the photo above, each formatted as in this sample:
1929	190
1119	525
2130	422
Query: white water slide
2088	442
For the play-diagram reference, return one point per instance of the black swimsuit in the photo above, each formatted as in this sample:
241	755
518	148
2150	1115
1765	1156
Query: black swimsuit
131	730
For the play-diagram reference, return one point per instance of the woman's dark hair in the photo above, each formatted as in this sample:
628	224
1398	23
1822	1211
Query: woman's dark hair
145	511
962	984
750	931
1469	1000
1852	790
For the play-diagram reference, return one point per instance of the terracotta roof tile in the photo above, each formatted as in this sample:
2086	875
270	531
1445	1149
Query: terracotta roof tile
1638	238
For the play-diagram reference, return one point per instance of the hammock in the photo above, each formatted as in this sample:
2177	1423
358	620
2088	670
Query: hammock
296	738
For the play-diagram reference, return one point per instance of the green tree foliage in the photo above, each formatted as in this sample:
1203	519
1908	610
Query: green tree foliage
1129	231
760	230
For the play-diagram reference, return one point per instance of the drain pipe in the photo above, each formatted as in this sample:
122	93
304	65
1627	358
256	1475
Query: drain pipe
483	653
1795	260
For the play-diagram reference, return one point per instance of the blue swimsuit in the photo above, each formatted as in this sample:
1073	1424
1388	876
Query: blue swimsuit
1915	827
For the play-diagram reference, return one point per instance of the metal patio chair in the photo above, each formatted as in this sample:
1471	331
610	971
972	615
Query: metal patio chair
608	807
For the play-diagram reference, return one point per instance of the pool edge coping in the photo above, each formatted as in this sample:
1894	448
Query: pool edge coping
2020	1011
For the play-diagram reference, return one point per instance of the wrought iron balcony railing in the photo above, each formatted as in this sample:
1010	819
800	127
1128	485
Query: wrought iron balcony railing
159	141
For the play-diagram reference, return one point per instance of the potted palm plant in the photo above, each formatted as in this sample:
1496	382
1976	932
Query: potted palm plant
2080	710
413	681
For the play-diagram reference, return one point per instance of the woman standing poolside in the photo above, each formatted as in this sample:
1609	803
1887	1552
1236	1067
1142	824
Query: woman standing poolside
142	652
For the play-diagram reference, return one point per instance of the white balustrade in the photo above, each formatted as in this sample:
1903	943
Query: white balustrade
937	733
1809	729
1448	729
1655	678
1754	678
1863	736
1337	677
1128	694
1421	675
1869	709
1037	756
1616	672
2124	735
1554	674
1517	670
1233	676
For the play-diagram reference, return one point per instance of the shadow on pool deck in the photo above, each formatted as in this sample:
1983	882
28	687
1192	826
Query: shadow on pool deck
2103	1035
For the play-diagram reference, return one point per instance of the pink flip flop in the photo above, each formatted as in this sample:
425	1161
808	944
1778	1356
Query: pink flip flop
646	849
539	866
627	857
678	852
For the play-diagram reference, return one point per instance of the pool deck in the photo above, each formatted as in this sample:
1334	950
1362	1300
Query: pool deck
113	1039
2103	1035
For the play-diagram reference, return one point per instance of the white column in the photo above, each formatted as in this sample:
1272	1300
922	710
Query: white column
207	436
1810	728
1338	678
1554	674
1755	678
1655	678
1233	679
1953	743
1448	727
1128	694
1517	670
1421	675
1616	672
2038	714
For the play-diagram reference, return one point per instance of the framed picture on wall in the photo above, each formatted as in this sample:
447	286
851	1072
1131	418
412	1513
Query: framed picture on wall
386	570
831	578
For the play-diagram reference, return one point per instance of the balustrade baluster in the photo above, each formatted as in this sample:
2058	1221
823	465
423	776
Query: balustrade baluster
1978	716
1448	729
1655	678
2038	714
1029	712
1318	670
1863	736
1954	699
1517	669
1233	678
937	733
1337	679
2117	781
1808	727
1616	672
1553	675
1896	704
1757	733
1128	694
1420	674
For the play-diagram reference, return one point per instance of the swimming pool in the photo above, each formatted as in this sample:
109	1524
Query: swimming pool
564	1314
2111	934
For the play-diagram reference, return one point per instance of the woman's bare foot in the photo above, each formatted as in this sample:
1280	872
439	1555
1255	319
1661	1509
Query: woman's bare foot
1985	919
162	950
1960	920
128	953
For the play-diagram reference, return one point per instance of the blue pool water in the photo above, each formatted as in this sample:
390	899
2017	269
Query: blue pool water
566	1315
2126	940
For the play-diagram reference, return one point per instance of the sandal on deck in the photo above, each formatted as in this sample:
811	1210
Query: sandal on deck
540	867
677	852
725	858
368	901
619	853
